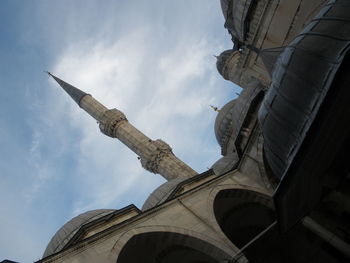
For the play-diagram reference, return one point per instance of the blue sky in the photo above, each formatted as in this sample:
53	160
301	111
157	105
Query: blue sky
151	59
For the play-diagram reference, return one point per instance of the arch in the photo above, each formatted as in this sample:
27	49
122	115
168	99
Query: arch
210	205
233	186
242	214
168	244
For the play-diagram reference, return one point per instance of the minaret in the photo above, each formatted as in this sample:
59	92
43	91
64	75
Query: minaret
156	156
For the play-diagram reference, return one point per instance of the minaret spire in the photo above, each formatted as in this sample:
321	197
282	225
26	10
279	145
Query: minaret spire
156	156
76	94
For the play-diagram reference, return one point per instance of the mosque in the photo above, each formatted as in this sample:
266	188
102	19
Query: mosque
281	190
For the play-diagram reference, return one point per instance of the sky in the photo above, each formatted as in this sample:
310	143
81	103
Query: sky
151	59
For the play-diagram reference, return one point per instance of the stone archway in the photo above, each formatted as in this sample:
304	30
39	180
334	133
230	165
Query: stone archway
161	244
238	190
167	247
243	214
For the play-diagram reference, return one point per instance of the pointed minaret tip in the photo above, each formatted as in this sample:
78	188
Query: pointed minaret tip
48	73
75	93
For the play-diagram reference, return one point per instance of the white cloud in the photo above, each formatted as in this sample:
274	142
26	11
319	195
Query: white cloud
155	67
163	92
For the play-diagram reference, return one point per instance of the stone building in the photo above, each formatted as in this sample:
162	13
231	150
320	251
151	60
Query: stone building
267	198
260	24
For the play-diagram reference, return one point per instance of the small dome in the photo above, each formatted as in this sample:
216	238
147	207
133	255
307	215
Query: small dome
228	58
161	193
67	231
222	59
224	121
225	164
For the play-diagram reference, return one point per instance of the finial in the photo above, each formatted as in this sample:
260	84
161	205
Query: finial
215	108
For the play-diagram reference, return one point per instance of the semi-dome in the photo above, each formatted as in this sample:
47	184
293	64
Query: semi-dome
224	122
66	232
161	193
302	80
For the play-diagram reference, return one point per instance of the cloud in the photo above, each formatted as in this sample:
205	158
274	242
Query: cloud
154	90
164	87
153	64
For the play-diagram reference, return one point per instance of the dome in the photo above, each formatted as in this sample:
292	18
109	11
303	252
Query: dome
304	75
161	193
224	121
222	59
231	117
225	164
228	58
66	232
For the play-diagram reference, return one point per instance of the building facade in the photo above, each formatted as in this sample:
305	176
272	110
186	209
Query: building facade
226	214
261	24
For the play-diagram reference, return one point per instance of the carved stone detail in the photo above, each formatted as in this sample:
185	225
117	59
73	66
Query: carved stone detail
110	121
162	151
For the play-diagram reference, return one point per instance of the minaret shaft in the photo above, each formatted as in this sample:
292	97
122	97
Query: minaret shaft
156	156
93	107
